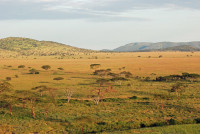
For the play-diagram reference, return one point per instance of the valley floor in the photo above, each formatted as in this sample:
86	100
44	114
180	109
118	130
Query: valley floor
112	101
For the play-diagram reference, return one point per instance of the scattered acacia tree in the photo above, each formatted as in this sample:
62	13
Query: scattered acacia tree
159	98
46	67
102	82
40	89
32	99
29	99
5	88
178	88
102	72
47	107
104	87
68	94
119	79
48	96
110	88
23	96
10	100
52	94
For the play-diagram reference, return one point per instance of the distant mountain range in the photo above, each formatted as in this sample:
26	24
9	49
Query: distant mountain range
15	46
160	46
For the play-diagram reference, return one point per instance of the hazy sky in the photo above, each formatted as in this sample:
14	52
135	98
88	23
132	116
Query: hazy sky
99	24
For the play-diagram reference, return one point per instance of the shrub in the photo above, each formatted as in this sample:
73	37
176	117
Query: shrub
58	78
197	120
147	79
113	100
94	66
142	125
46	67
21	66
133	97
113	74
118	79
157	124
109	69
184	76
189	121
60	68
126	74
173	122
128	85
34	71
8	78
101	72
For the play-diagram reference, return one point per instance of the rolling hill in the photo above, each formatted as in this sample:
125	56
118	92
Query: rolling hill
161	46
182	48
28	47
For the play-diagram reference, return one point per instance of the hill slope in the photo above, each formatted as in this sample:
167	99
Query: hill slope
27	47
182	48
147	46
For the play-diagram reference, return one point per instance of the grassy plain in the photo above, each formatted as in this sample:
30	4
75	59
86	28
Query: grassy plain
152	106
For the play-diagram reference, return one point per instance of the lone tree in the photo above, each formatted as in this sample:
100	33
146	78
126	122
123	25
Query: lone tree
69	93
99	96
46	67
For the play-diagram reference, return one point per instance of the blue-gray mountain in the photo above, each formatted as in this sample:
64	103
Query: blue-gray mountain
161	46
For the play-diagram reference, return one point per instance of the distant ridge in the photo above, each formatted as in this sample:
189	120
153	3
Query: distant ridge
27	47
160	46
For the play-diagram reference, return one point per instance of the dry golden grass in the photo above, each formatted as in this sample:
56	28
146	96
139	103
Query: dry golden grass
170	63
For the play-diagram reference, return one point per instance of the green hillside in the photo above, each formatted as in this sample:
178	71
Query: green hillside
27	47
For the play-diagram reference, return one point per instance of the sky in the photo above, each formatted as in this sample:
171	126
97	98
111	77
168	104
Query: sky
101	24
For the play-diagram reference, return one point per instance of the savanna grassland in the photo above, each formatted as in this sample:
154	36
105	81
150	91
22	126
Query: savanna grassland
100	92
